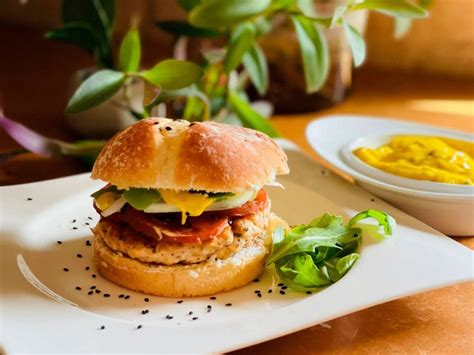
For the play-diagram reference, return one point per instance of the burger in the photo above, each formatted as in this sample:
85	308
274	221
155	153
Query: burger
184	212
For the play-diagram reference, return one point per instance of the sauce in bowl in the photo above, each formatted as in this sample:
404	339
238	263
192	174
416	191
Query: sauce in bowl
436	159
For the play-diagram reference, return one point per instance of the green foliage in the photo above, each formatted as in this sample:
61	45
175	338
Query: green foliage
183	28
249	117
240	42
255	63
96	89
225	14
141	198
88	25
215	89
130	52
314	52
172	74
396	8
356	43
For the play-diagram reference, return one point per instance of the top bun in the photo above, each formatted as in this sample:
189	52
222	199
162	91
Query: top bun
179	155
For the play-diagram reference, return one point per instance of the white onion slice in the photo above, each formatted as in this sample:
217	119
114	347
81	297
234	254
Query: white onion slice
114	207
275	183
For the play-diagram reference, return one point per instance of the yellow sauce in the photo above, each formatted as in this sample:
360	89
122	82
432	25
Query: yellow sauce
435	159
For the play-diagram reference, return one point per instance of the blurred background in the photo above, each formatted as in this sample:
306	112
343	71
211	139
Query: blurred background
430	69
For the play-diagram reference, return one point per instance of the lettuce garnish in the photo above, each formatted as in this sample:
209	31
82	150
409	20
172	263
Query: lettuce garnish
311	256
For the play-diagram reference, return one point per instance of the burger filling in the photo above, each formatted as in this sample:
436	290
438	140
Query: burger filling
169	227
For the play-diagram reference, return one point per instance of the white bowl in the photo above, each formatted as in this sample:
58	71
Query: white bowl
450	212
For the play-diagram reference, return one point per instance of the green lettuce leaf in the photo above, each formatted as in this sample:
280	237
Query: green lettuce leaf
312	256
141	198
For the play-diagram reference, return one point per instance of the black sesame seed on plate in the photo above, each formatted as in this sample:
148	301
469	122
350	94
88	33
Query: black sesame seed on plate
228	304
190	313
78	288
102	327
73	221
180	301
29	199
195	318
74	228
59	242
139	326
143	312
89	218
90	293
282	292
87	223
147	299
209	306
66	269
79	255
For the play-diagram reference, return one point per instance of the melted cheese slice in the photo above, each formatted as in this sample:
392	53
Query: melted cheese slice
189	204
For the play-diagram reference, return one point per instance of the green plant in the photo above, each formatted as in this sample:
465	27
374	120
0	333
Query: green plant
216	88
241	23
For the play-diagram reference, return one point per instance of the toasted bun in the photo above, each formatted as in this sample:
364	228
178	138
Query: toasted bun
200	279
167	154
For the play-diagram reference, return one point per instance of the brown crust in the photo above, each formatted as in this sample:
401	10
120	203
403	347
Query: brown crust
205	278
162	153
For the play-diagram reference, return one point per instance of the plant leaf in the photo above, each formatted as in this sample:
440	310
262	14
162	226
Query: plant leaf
249	117
96	89
338	14
130	52
225	14
240	42
78	34
314	52
255	63
188	5
183	28
398	8
172	74
39	144
356	43
99	15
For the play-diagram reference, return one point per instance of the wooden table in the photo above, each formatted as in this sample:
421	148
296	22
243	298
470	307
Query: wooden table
33	77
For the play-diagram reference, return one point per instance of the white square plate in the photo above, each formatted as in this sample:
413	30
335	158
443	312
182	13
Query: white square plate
41	310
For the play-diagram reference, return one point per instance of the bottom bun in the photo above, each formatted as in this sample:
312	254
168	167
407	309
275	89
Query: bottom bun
205	278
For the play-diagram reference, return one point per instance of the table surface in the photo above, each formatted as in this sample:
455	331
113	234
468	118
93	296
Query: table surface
440	321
